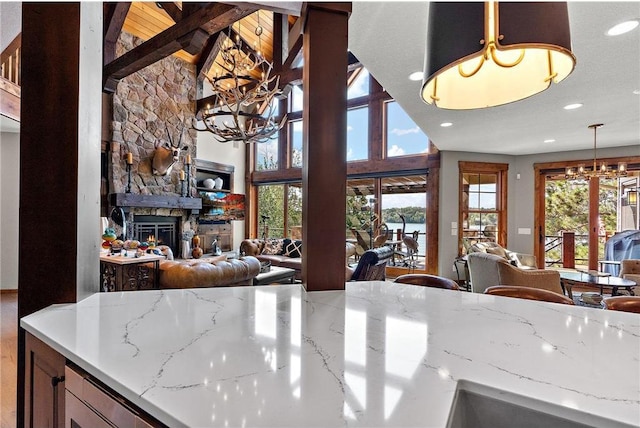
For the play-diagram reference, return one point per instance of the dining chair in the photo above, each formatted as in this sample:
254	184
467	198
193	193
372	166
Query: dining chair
529	293
427	280
623	303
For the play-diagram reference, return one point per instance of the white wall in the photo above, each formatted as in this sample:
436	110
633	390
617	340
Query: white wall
520	196
9	209
228	154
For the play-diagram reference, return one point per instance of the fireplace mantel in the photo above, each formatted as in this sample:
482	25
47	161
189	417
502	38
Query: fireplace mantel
135	200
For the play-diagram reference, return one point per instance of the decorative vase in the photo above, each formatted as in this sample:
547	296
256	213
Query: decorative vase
218	183
197	251
186	249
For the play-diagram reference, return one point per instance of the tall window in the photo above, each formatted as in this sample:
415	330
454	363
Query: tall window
271	211
267	153
403	136
295	136
357	134
482	204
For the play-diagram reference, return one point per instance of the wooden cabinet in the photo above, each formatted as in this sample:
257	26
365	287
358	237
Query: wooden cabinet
221	232
90	404
44	385
118	273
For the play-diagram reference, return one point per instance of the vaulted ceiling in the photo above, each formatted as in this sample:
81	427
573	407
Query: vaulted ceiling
389	38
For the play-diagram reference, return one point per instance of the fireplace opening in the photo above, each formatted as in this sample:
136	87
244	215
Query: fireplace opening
163	230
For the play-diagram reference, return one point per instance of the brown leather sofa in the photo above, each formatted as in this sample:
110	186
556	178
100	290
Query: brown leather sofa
275	251
283	252
208	272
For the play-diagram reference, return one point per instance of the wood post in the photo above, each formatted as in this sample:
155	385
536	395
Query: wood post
59	240
569	249
324	172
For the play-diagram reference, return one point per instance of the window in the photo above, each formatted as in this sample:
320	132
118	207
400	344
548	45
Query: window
271	211
358	134
267	155
403	136
295	133
482	199
358	84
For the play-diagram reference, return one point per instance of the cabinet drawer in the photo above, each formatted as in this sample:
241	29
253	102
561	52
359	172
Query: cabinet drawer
103	404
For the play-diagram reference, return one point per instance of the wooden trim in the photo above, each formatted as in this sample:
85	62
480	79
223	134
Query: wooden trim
539	215
11	48
500	169
9	291
10	99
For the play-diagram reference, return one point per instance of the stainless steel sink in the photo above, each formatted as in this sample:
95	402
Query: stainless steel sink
481	406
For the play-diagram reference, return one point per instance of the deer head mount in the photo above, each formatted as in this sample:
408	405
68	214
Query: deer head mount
166	155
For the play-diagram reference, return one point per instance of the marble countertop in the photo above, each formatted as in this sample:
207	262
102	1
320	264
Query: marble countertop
376	354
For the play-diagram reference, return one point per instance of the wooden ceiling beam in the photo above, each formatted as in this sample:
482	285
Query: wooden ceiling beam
172	10
209	54
114	16
188	33
295	53
284	7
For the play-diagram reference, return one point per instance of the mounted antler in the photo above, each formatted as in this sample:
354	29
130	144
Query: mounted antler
166	155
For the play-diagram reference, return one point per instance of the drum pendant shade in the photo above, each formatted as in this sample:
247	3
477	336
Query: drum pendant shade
488	54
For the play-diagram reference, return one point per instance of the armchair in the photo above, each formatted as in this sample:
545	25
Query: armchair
630	269
487	270
372	264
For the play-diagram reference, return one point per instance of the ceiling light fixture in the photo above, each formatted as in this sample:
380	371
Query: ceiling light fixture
243	109
623	27
446	124
550	140
603	171
416	76
488	54
572	106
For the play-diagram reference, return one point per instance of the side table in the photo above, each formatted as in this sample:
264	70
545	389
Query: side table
120	273
275	275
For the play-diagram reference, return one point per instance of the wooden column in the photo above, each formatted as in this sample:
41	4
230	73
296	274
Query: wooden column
324	171
59	160
569	250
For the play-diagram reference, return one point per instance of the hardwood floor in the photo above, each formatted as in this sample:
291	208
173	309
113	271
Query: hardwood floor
9	357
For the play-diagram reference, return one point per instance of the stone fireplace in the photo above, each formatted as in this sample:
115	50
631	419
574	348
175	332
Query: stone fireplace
151	108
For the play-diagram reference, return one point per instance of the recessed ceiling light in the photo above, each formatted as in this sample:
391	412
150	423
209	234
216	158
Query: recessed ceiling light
416	75
623	27
572	106
637	92
446	124
550	140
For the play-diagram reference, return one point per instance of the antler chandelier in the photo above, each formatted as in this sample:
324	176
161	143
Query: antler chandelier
243	107
596	172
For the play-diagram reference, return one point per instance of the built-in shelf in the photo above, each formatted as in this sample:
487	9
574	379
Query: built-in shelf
208	169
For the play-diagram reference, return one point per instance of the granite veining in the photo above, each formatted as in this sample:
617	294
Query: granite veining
376	354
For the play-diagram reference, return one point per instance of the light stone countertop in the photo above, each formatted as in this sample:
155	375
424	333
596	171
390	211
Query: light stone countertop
376	354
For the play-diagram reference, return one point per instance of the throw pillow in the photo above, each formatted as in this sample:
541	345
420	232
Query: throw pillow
293	249
498	251
272	246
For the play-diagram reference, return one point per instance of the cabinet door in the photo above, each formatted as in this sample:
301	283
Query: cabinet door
44	389
81	416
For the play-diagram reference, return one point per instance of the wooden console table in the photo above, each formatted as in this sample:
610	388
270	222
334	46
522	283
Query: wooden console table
119	273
